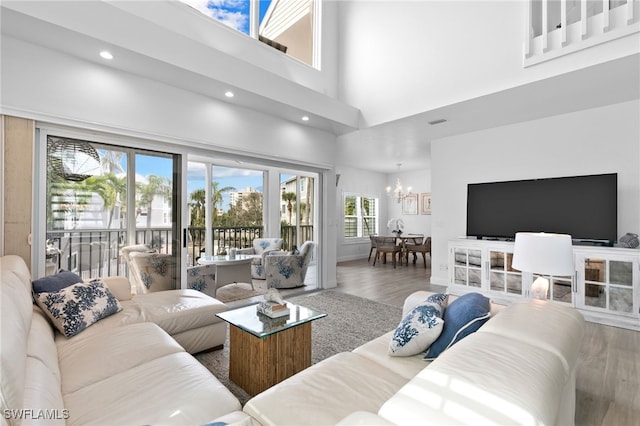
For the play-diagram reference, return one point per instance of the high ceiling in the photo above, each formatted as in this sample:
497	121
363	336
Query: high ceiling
376	148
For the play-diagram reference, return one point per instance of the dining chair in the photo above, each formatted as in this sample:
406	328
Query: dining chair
372	238
387	245
423	248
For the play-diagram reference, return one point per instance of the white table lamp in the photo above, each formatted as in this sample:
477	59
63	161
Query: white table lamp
542	253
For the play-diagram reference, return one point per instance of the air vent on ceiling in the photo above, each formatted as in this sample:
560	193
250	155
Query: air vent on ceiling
438	121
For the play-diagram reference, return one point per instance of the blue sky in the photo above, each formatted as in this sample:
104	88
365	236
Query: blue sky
238	178
234	13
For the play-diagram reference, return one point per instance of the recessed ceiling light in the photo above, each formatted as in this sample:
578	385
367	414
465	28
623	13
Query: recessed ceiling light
105	54
229	94
305	118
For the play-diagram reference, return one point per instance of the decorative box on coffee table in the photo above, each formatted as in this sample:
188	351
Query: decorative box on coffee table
264	351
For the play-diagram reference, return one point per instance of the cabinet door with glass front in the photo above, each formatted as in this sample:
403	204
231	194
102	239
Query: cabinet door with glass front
467	266
608	283
502	277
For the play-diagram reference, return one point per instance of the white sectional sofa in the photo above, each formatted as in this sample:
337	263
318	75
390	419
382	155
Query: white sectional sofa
518	368
128	368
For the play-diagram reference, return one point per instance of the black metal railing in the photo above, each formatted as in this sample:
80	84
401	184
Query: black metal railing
95	253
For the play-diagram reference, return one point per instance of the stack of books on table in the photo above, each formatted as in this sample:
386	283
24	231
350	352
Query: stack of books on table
273	309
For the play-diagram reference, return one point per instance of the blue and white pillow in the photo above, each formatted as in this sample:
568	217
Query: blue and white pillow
462	317
420	327
78	306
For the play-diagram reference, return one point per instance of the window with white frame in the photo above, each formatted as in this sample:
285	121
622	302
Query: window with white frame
360	216
286	25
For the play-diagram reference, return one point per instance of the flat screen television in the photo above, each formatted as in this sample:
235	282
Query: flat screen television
586	207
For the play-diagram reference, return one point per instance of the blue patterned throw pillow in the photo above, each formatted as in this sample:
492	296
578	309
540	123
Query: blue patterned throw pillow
462	317
419	328
76	307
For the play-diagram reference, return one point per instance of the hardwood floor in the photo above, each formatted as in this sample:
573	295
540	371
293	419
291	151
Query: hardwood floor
608	374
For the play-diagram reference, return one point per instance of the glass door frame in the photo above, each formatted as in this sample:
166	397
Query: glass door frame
132	146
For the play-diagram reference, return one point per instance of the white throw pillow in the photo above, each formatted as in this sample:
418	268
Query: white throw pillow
420	327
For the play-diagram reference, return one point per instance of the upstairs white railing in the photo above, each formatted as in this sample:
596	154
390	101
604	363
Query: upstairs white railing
560	27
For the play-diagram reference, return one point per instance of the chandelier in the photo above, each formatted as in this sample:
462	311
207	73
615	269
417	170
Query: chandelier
397	193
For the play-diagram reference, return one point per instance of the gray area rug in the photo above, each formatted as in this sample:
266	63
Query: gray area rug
351	322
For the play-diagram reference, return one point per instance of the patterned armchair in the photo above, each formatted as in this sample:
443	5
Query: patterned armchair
151	271
261	248
288	270
202	278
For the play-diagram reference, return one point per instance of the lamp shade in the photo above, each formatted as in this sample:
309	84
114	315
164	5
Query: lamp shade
542	253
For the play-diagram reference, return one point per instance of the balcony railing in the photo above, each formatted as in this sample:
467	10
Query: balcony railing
559	27
96	252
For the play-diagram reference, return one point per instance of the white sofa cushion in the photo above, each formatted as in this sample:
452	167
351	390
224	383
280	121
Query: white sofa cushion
126	347
171	390
522	322
326	392
178	312
16	312
484	376
377	350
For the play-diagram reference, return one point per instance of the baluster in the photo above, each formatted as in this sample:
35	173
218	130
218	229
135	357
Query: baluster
563	22
583	19
605	16
528	36
545	25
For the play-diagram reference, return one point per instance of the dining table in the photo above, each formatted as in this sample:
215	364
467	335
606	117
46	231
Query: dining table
402	240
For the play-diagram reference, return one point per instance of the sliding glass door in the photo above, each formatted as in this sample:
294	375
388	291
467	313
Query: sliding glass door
101	198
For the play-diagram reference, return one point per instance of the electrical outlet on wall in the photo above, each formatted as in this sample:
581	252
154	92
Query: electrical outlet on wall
444	267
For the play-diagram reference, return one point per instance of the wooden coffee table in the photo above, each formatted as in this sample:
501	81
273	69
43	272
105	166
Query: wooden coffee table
264	351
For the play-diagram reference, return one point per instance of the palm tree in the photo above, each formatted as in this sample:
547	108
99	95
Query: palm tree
216	196
156	185
198	202
111	161
290	198
110	188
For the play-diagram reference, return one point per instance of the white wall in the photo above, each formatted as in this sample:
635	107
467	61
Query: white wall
400	58
371	183
420	182
599	140
46	85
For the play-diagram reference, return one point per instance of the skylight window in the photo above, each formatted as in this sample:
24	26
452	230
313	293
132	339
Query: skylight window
286	25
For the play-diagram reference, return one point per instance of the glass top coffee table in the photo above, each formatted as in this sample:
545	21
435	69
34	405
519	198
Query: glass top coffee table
264	351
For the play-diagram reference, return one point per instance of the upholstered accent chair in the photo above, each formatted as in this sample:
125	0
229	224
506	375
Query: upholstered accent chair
373	240
387	245
422	247
154	271
285	270
261	248
202	278
151	271
126	253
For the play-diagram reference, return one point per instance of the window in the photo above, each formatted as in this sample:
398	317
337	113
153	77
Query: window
286	25
101	197
360	216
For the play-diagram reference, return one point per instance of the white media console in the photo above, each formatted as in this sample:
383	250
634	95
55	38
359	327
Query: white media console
605	286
